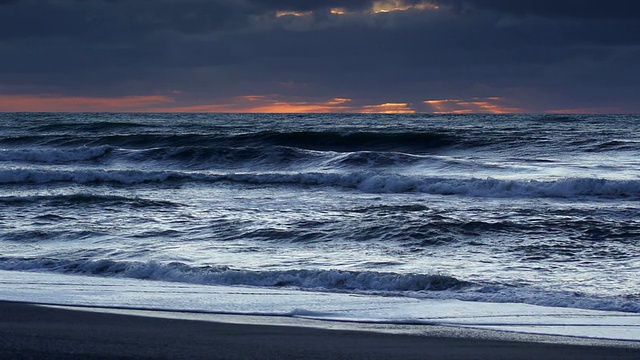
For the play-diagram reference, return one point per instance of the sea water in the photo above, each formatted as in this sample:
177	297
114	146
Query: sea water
526	209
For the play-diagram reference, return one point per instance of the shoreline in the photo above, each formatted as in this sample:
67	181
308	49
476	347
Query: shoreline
38	331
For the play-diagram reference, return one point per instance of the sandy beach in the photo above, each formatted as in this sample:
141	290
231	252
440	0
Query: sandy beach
34	332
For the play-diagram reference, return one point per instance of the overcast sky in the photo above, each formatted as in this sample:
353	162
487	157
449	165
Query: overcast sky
320	56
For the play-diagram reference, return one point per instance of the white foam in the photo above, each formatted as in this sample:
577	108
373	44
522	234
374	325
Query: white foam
42	176
421	286
139	294
477	187
331	280
363	181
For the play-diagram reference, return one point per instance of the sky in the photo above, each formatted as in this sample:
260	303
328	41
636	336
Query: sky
357	56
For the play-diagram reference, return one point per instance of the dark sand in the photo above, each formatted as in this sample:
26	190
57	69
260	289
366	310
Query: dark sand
35	332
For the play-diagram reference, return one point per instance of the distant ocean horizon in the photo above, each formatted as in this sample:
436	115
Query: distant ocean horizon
514	208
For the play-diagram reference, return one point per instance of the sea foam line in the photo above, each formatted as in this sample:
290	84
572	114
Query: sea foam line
429	286
363	181
222	275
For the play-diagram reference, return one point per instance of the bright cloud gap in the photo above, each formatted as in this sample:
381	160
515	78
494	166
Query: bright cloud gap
378	7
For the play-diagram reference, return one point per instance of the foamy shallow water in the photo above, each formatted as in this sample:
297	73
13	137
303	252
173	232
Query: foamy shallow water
158	295
242	210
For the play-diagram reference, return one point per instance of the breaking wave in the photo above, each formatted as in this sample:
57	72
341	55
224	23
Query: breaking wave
332	280
362	181
364	282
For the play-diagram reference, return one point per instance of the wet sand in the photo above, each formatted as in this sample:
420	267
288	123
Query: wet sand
29	331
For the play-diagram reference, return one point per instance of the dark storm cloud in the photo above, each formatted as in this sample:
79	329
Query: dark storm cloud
25	18
297	5
614	9
104	18
541	50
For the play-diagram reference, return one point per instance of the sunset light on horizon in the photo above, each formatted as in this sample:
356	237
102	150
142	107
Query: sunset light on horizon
386	56
381	179
270	104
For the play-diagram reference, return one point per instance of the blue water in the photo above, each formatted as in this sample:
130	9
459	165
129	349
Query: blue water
537	209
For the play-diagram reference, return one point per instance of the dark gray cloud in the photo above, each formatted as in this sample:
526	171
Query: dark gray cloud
613	9
539	54
297	5
98	19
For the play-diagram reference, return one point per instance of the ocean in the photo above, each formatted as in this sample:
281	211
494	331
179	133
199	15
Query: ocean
527	209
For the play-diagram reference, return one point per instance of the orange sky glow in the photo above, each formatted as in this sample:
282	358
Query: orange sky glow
272	104
57	103
388	108
162	103
386	6
293	13
378	7
268	104
490	105
340	56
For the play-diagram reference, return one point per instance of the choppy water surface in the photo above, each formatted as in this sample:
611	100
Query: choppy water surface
528	208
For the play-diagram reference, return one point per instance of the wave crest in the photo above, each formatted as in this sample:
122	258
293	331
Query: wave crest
333	280
55	156
362	181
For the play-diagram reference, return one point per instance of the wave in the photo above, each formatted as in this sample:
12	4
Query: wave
475	187
278	157
615	145
411	142
210	156
431	286
125	177
551	118
490	187
203	157
354	141
499	293
87	199
55	156
370	182
372	159
90	126
334	280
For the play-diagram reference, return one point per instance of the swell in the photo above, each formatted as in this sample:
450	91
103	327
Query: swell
282	157
54	155
88	126
412	142
211	157
369	282
614	145
354	141
181	157
371	182
84	199
204	157
334	280
86	176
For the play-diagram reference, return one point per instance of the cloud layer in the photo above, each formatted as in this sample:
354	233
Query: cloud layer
533	56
